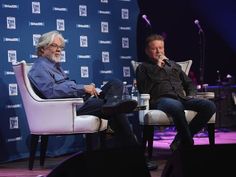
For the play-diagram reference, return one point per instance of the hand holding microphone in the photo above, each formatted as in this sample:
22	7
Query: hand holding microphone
162	61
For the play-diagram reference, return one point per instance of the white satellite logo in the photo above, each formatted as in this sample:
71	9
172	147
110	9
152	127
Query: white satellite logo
63	56
104	27
105	57
36	39
60	25
125	42
83	41
11	56
126	71
83	10
11	23
124	13
12	89
36	7
84	71
14	123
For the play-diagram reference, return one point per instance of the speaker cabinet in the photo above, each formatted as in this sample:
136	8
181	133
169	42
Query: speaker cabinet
128	162
202	161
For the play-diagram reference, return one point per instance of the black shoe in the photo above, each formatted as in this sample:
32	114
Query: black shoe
151	165
123	106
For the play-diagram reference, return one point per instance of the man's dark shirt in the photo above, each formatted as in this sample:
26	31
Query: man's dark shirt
169	81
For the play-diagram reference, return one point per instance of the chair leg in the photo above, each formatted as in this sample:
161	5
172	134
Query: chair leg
150	141
102	139
211	133
43	149
33	146
89	141
145	137
148	133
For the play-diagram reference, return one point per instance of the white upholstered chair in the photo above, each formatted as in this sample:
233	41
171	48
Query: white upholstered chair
52	116
150	118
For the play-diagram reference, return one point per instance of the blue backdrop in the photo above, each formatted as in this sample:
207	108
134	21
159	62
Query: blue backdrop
100	43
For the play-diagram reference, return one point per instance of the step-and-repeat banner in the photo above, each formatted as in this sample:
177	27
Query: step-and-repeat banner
100	43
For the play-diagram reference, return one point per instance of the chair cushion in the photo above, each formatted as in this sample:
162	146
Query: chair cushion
88	124
158	117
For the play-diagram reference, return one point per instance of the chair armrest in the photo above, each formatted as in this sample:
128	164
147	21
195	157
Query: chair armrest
73	100
54	115
206	95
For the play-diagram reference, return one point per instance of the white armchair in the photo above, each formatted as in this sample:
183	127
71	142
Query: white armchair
150	118
52	116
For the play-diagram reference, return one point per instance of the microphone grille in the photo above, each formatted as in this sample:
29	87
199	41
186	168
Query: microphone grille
196	22
144	16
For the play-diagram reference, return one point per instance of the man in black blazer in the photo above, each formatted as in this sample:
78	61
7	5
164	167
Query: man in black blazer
172	91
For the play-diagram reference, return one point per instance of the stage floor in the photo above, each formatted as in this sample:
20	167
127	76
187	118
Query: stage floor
161	154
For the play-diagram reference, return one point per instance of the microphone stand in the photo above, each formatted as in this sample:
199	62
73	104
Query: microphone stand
202	56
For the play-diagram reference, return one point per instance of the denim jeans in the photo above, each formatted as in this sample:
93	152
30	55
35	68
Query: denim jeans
175	107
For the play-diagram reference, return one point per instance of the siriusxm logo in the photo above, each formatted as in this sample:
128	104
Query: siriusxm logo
33	56
11	23
125	57
63	56
36	7
104	27
125	28
36	23
12	56
104	42
19	138
104	1
84	71
9	73
13	122
126	71
82	26
12	89
83	10
60	25
7	39
104	12
13	106
84	56
10	6
60	9
124	13
83	41
105	57
36	39
125	42
106	72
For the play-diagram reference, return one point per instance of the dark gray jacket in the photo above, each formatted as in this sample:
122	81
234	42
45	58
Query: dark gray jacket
169	81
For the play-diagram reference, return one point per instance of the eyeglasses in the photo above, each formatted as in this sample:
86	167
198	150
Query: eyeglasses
56	46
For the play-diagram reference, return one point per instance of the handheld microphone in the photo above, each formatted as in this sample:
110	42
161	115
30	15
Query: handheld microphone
166	60
198	25
146	19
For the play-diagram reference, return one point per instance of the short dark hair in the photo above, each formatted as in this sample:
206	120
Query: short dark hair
153	37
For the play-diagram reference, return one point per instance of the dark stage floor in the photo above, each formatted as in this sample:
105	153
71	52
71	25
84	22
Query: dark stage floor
161	154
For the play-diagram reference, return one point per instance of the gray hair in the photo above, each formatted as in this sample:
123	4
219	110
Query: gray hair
47	39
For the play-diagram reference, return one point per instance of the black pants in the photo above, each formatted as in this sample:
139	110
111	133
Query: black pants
119	122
